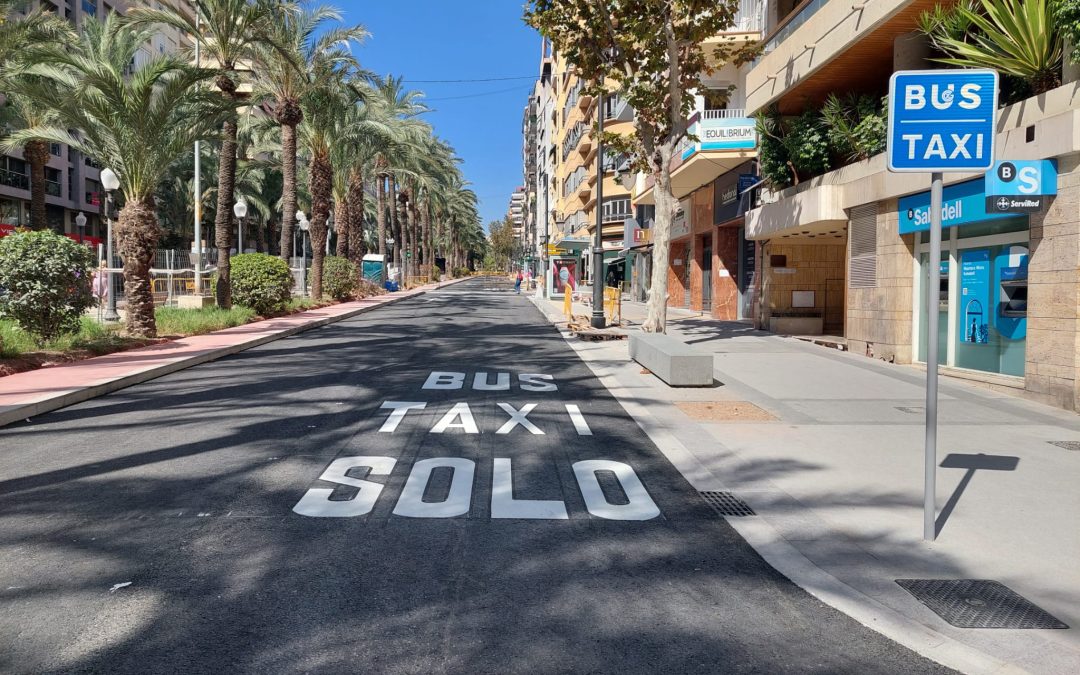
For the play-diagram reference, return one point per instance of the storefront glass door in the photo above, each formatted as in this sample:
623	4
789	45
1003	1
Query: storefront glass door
983	297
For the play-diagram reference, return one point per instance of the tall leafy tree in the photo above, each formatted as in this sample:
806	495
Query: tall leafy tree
137	123
302	39
651	52
229	33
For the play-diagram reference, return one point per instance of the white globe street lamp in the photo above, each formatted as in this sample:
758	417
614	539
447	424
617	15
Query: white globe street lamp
240	210
80	222
304	226
110	182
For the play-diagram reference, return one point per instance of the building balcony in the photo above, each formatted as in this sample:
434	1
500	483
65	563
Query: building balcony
725	139
53	189
19	181
822	46
584	102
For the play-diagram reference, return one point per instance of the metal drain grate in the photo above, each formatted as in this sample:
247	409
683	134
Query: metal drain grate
1068	445
978	603
727	504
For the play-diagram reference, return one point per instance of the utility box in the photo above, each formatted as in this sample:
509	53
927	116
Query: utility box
374	268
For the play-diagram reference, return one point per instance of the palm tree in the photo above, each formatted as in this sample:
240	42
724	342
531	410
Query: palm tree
326	105
229	32
283	73
21	29
137	123
397	108
26	113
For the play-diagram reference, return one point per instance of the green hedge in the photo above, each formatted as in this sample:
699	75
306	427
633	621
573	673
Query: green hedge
339	278
261	282
45	283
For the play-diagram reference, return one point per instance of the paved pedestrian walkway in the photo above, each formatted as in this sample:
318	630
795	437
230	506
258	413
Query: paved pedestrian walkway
827	447
25	395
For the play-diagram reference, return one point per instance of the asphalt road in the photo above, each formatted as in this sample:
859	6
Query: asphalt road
201	492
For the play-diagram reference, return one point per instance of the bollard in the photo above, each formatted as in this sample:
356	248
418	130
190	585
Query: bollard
568	303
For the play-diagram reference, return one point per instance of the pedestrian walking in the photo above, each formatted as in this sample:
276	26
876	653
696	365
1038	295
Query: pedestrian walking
517	282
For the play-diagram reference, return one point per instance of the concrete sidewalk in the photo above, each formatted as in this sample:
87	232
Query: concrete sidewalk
28	394
827	447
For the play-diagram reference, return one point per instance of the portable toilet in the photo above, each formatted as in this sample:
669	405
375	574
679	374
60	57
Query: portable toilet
374	268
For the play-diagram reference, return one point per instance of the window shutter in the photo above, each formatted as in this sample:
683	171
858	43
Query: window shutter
862	271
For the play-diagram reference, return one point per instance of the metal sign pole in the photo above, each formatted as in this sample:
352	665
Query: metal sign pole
933	302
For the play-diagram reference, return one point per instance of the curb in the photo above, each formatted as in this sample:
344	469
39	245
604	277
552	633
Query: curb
27	411
785	558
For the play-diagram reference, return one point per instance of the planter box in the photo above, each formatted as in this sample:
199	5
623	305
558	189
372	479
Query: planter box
797	325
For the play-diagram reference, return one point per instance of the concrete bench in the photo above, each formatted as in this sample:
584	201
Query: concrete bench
672	360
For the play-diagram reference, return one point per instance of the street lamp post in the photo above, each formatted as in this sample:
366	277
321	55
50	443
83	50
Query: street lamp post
304	225
598	320
329	230
240	211
110	182
80	223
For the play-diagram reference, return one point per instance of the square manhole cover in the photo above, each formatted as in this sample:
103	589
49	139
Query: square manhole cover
724	411
978	603
1068	445
727	504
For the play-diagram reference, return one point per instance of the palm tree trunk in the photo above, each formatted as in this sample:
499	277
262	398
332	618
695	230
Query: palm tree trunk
394	221
429	244
356	216
288	189
403	225
224	217
37	155
322	185
380	216
341	226
137	234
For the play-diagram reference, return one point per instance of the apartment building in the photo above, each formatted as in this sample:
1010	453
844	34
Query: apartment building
578	180
527	239
845	252
712	265
72	180
516	211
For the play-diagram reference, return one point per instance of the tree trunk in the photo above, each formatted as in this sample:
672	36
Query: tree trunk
137	234
395	222
322	185
429	247
356	217
666	207
223	219
341	226
288	189
260	236
37	156
403	226
380	216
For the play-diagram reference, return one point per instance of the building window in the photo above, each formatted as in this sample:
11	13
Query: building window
55	149
13	173
615	210
89	7
52	182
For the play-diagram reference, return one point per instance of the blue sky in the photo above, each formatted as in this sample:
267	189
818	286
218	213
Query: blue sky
457	40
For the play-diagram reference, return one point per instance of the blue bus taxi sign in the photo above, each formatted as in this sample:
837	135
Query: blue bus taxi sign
942	121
